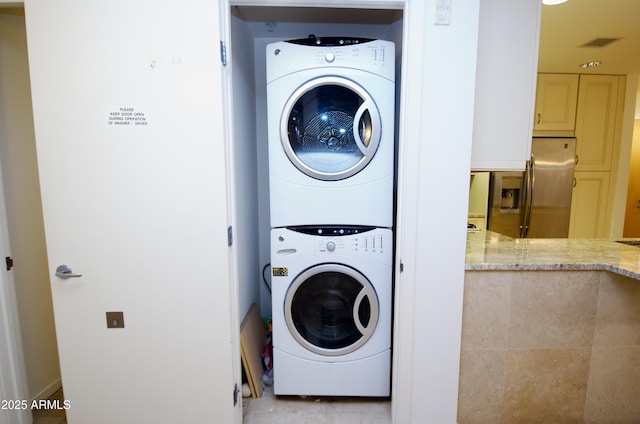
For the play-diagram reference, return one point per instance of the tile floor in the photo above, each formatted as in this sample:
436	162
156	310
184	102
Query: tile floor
283	410
315	410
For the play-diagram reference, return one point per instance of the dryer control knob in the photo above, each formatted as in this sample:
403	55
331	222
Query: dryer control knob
331	246
330	57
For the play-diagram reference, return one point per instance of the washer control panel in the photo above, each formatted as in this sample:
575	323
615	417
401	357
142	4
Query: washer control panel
362	243
329	57
348	239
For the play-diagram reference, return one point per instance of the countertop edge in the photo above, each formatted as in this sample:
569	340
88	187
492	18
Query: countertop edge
488	251
552	267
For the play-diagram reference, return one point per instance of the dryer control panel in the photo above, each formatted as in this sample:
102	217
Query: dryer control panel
312	40
373	54
287	57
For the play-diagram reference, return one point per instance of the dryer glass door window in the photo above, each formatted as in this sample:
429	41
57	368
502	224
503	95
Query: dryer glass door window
330	128
331	309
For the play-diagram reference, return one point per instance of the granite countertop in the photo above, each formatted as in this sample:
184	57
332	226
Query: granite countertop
489	251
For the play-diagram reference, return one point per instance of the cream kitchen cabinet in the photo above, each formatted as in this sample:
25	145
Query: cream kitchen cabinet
505	84
556	100
589	206
598	123
600	103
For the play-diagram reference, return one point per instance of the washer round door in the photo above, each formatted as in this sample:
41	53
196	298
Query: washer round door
330	128
331	309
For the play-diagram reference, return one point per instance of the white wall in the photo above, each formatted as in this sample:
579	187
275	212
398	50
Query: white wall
247	209
24	212
445	155
434	185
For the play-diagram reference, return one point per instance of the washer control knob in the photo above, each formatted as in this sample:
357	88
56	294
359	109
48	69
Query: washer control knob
330	57
331	246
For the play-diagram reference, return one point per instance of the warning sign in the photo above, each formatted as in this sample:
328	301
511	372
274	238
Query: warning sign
280	272
126	117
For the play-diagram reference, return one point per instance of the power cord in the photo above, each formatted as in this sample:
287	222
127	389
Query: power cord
266	283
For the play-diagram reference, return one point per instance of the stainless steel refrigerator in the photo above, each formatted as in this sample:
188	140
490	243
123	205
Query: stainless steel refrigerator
536	202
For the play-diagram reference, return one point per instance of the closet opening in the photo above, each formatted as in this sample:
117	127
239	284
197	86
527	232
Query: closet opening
251	29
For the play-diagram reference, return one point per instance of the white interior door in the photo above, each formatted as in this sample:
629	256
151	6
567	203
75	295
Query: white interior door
129	132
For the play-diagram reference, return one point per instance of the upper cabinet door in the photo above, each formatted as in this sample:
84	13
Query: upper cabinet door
505	83
129	131
556	102
600	103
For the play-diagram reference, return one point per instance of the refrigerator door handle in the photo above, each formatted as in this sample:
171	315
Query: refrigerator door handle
523	202
525	196
530	182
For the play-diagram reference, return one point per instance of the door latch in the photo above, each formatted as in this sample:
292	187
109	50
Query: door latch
64	272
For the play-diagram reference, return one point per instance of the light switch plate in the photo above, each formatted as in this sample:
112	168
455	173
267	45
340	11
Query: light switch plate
115	320
443	12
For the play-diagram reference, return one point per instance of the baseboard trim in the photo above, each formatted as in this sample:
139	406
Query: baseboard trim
49	390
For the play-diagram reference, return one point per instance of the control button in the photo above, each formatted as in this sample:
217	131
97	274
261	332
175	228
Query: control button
329	57
331	246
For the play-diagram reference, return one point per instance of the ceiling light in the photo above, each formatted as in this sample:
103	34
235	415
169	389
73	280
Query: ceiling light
553	2
592	64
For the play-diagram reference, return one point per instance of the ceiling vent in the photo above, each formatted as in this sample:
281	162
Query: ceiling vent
599	42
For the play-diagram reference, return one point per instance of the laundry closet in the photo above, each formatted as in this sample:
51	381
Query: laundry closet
189	192
252	28
318	200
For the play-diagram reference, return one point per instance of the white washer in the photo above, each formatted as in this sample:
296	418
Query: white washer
331	312
330	105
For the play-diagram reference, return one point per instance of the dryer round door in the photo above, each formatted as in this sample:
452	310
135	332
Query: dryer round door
330	128
331	309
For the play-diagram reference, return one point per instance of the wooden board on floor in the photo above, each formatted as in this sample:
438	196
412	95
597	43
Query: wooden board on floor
252	342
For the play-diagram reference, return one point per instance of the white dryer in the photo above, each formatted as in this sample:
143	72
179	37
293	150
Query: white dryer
331	105
331	311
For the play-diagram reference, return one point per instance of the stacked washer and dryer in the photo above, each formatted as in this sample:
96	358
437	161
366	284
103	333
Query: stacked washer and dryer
331	171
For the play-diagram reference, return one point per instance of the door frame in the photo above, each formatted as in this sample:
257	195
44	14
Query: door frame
13	379
224	13
408	165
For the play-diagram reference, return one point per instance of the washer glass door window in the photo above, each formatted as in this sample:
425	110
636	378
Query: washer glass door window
331	309
330	128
